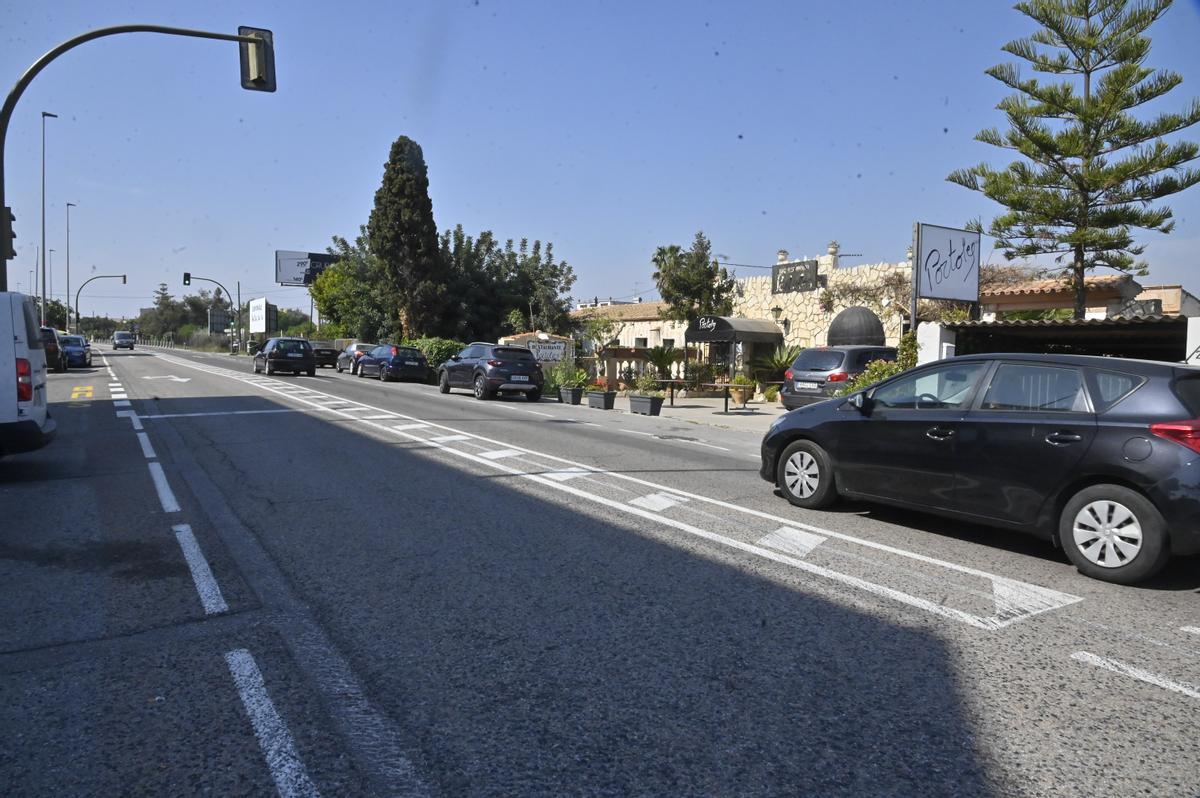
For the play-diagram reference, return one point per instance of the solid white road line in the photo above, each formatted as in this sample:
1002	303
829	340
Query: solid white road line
637	432
410	426
165	495
206	585
147	449
228	413
291	779
380	417
1141	675
449	438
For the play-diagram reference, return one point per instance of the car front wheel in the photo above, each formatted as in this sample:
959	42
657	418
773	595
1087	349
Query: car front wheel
1114	534
444	382
805	475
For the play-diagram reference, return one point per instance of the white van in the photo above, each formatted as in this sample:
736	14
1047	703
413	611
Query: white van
25	422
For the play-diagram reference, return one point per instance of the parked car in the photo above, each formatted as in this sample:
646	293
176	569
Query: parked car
294	355
25	422
123	340
489	368
56	358
325	353
77	350
819	373
1097	455
348	358
391	362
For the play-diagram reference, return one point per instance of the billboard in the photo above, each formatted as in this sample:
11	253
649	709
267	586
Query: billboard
258	315
946	262
218	319
300	268
797	275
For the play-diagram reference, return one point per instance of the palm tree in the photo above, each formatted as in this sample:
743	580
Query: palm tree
662	358
770	367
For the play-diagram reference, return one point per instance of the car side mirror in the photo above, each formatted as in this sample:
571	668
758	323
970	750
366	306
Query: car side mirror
860	402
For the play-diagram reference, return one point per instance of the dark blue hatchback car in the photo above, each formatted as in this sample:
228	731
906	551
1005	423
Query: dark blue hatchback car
1099	455
391	362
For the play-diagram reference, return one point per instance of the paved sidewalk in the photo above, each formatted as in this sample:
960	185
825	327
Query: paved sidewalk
755	417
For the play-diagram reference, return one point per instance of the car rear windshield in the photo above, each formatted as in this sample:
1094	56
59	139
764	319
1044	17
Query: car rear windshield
363	347
71	340
411	354
47	336
122	336
292	346
512	353
819	360
1188	391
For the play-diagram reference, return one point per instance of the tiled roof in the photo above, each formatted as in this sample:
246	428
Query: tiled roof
1116	321
1058	285
638	311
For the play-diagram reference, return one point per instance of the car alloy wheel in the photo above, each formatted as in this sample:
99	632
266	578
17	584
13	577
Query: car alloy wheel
382	373
805	474
481	391
1113	533
1107	533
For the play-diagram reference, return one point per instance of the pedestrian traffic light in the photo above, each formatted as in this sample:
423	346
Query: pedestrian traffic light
7	248
257	59
187	278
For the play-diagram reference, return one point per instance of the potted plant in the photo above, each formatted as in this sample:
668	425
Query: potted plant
600	398
570	388
646	398
741	388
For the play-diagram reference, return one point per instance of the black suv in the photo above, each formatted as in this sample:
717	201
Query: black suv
819	373
488	368
286	354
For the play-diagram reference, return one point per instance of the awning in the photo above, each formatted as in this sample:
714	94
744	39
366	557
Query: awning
708	329
1147	337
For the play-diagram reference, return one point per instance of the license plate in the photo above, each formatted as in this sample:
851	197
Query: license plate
295	354
519	378
807	386
411	363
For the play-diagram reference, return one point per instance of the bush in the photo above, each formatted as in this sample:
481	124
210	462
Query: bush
879	370
771	393
437	350
742	381
647	385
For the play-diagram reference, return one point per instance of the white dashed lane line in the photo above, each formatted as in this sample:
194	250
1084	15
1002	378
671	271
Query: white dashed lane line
210	592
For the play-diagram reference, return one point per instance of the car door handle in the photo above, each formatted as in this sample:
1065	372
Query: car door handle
938	433
1062	438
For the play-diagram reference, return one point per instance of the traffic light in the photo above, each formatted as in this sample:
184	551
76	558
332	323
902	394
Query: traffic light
7	248
187	278
257	60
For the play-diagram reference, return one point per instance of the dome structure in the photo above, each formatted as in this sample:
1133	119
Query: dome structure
857	326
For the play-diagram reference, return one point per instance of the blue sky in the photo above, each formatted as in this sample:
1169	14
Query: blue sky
608	128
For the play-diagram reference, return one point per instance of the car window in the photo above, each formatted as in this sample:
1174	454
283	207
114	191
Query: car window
1034	388
32	336
71	340
1188	391
472	352
363	347
1109	387
408	352
949	386
48	336
292	346
818	360
512	353
381	351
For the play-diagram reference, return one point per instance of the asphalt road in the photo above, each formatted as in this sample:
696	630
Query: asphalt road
217	582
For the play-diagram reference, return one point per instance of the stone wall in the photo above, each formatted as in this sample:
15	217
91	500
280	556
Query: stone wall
802	318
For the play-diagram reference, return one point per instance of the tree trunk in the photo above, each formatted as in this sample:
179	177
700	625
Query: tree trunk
1077	282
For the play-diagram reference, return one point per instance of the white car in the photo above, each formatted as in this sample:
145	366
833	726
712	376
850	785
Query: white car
25	422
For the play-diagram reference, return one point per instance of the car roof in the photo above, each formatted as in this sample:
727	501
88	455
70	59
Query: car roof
1092	361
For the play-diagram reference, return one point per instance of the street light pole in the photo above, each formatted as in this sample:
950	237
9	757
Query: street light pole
53	116
85	282
48	292
70	205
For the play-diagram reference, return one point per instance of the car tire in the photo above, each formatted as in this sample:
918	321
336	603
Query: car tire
805	475
359	372
481	388
443	382
1114	534
339	369
534	396
383	374
254	366
270	369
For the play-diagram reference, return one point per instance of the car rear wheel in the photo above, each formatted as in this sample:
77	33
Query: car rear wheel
805	475
359	372
1114	534
534	396
312	372
383	374
481	388
444	382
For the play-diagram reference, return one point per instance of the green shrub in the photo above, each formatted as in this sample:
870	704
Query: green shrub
437	350
742	381
771	393
647	385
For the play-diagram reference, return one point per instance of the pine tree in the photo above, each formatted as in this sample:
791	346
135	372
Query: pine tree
692	283
1091	170
403	235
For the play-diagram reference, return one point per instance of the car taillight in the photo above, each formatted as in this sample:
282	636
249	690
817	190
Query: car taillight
24	380
395	351
787	375
837	376
1183	432
494	362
